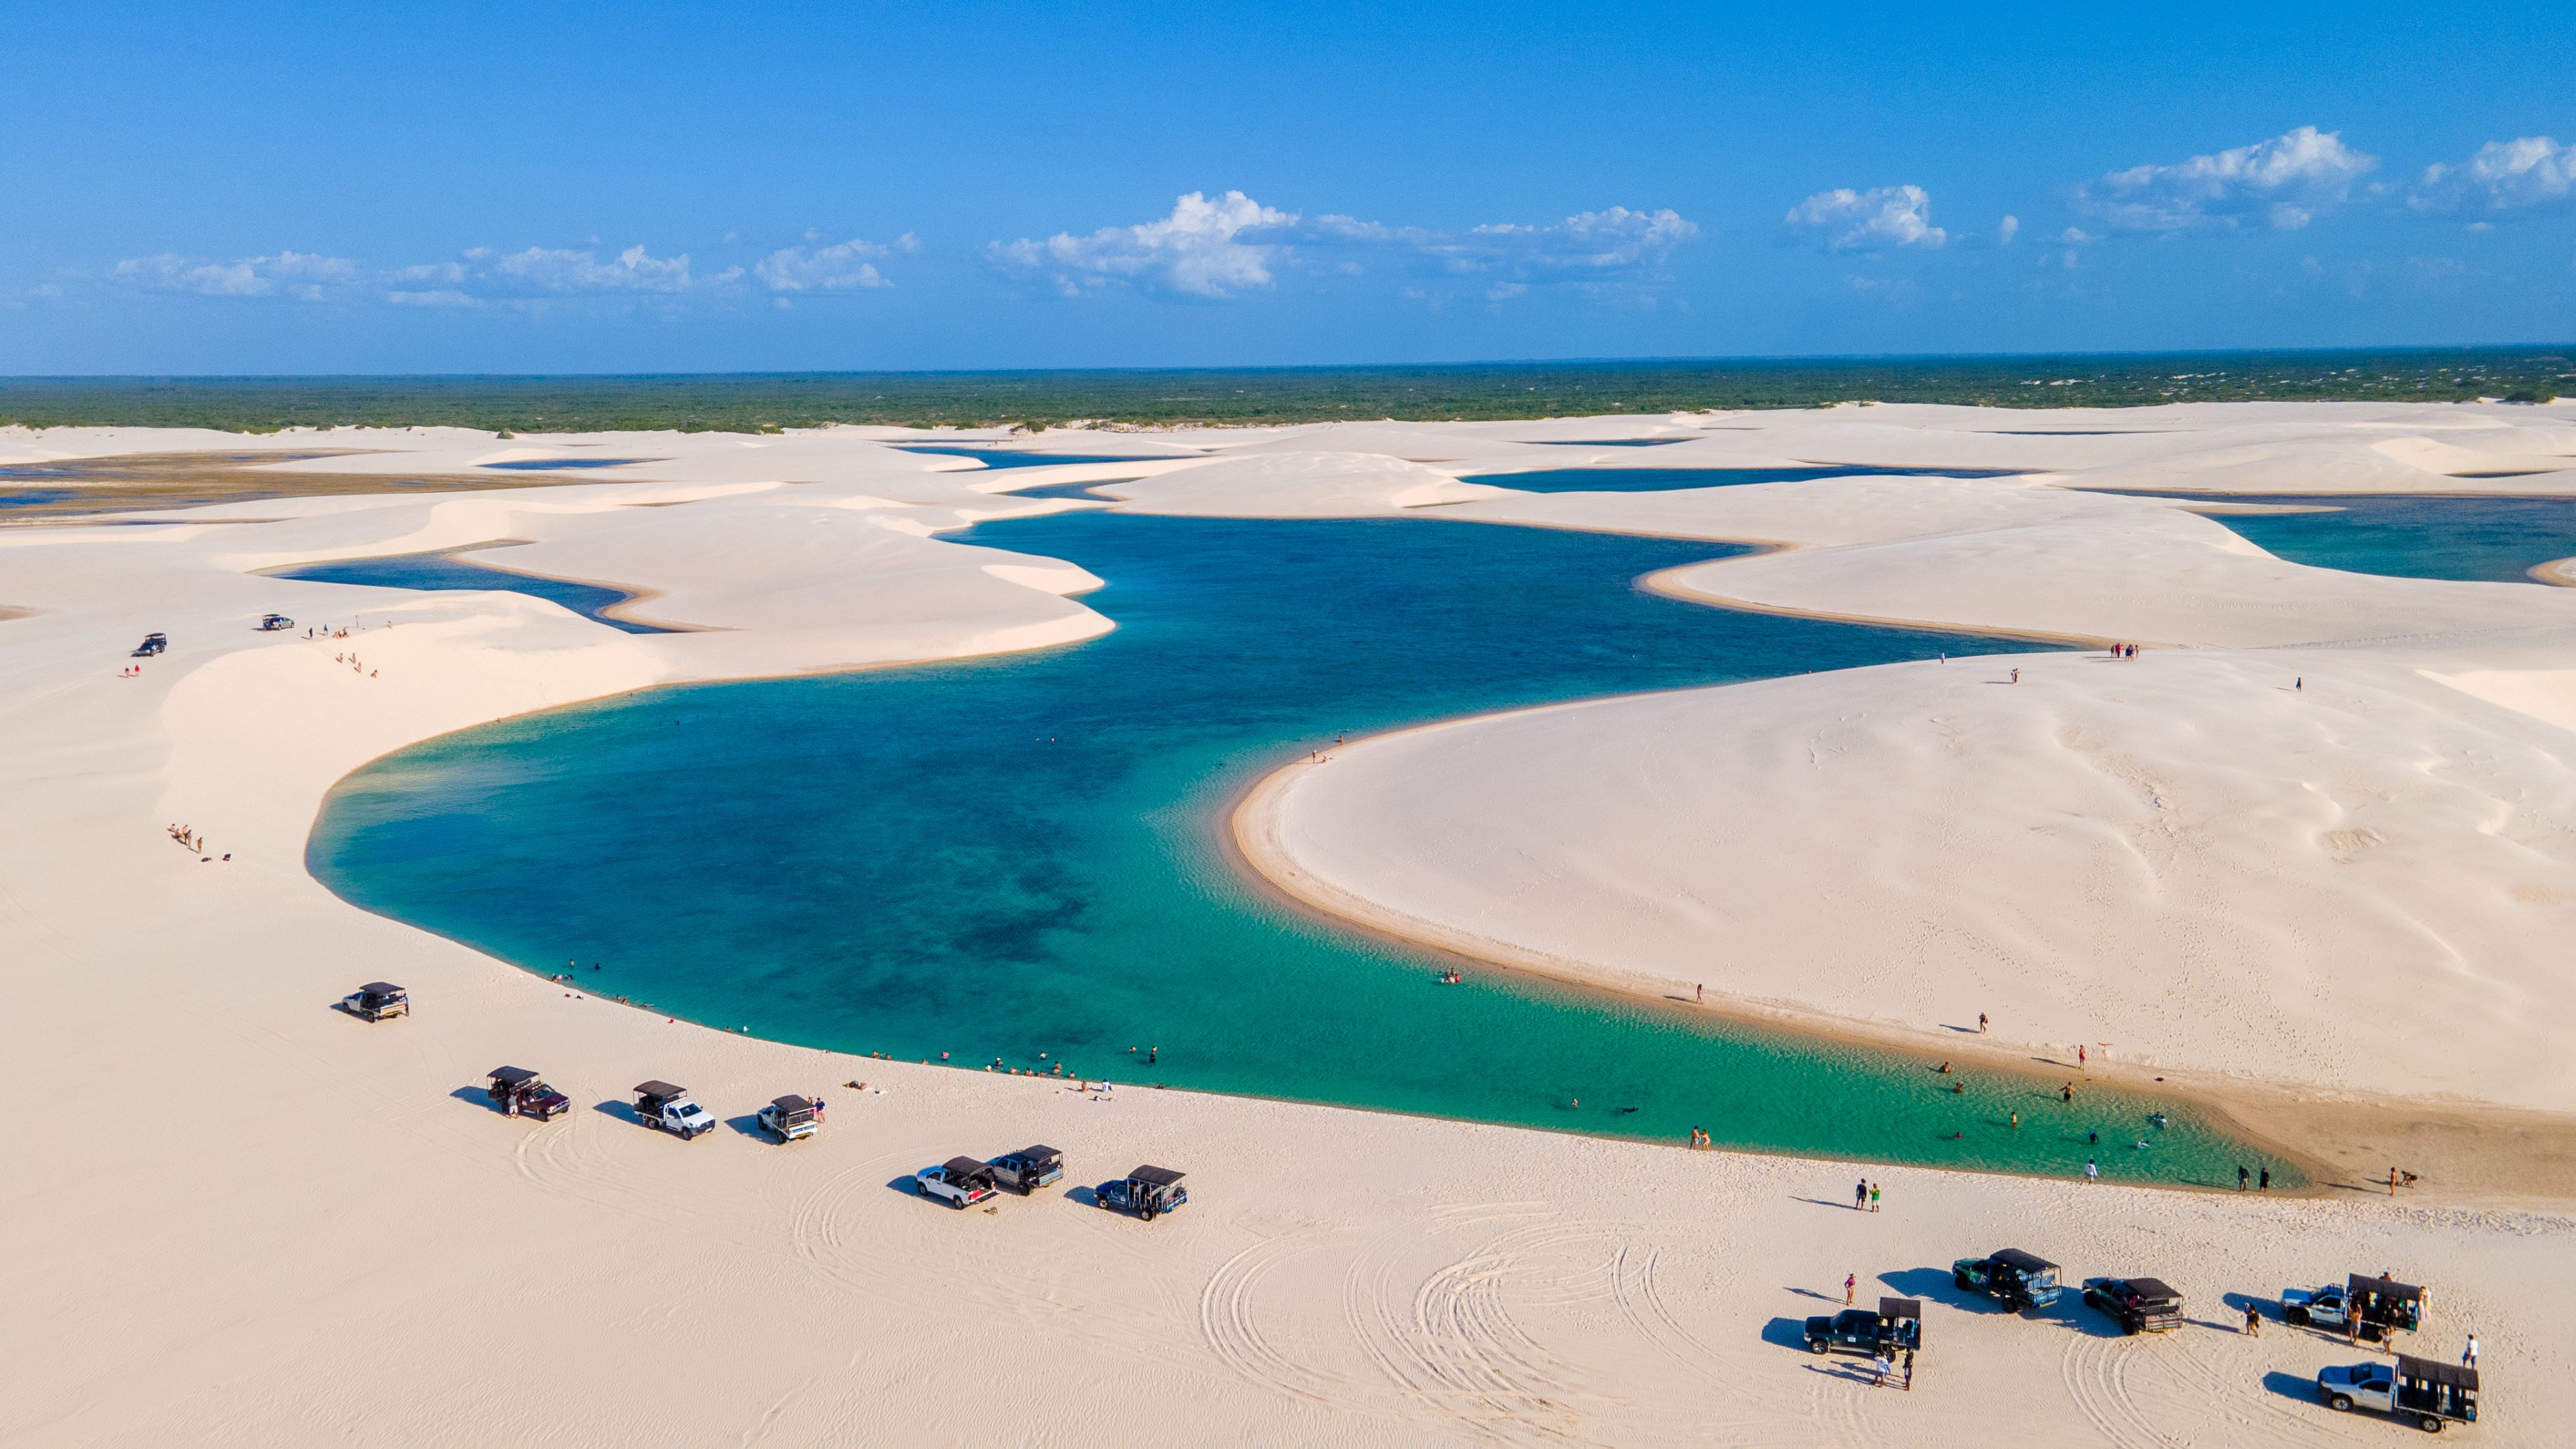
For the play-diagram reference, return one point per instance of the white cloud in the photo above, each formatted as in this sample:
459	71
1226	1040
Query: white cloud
2284	182
561	270
301	275
1587	243
1205	248
844	267
2518	175
438	297
1881	216
2007	229
1234	244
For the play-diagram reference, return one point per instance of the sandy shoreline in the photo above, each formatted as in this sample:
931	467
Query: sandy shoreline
311	1199
2462	1152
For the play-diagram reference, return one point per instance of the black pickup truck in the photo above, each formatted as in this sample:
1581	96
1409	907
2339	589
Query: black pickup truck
2138	1305
1894	1328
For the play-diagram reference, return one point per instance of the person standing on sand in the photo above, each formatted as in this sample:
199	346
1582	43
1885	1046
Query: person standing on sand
2469	1355
2392	1182
1909	1370
1851	1285
2016	676
1873	1197
2079	1055
1860	1194
1981	1021
2253	1319
1879	1369
1699	993
2092	1171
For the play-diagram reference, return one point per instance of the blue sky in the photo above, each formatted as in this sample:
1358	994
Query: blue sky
536	188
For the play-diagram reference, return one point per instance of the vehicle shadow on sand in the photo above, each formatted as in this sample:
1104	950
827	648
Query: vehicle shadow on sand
623	1111
2290	1386
480	1098
1786	1333
748	1124
1937	1286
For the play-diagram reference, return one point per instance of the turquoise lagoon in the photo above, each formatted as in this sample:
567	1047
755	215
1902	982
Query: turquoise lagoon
2494	539
1022	859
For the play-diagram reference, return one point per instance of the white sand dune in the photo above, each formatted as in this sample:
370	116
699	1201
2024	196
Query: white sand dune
243	1218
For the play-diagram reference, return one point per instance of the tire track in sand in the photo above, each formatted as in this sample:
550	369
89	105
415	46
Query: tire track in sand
1232	1327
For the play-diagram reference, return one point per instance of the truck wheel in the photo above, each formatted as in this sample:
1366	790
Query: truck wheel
2340	1403
1817	1345
2128	1327
2296	1317
1149	1215
1961	1281
2432	1425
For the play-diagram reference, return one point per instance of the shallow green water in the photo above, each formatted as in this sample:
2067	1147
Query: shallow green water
1004	858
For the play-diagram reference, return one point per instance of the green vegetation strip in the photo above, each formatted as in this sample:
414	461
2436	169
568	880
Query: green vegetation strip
751	402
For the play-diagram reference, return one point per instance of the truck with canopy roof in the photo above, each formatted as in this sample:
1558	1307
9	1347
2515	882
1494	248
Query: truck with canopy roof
1147	1192
2421	1391
2016	1279
519	1092
2370	1308
1029	1169
377	1001
959	1182
789	1118
667	1107
2138	1305
1896	1327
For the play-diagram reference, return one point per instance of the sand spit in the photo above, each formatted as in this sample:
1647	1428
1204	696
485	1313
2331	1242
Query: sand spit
254	1220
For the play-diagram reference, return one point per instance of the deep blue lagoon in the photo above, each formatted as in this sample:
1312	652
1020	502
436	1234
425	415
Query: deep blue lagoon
452	571
1660	480
993	859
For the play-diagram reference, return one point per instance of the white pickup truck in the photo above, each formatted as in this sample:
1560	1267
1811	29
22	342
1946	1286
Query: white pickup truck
790	1118
659	1104
958	1182
2422	1392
